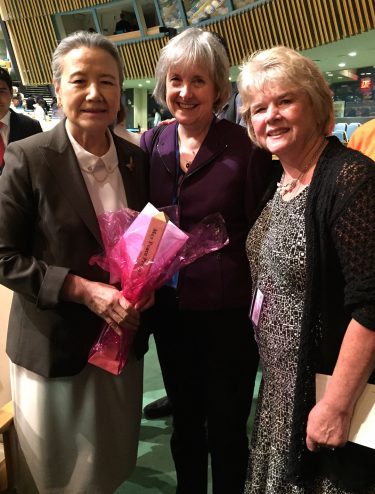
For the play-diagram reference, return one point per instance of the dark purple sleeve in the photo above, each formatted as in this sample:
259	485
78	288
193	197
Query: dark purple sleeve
146	141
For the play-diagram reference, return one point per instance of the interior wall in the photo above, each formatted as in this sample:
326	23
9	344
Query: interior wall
140	108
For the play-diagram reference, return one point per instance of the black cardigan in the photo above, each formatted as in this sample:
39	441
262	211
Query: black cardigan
340	285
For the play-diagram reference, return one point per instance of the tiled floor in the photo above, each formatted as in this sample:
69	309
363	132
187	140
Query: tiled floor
154	473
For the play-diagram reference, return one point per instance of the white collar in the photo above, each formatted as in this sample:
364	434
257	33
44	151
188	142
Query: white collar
6	119
88	161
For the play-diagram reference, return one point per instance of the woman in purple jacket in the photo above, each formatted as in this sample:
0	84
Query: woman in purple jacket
203	335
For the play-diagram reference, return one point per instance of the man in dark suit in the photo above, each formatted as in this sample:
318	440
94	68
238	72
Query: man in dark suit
13	126
122	26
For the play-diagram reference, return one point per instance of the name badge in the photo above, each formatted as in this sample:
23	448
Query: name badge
256	307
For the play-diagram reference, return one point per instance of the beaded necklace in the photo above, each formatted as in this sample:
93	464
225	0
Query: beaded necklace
283	189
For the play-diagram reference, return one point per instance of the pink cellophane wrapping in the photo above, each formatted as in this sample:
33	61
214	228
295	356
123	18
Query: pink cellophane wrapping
123	233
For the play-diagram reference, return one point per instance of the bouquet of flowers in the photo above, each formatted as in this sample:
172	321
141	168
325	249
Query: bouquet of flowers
142	252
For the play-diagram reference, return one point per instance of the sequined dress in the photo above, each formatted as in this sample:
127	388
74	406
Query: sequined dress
276	251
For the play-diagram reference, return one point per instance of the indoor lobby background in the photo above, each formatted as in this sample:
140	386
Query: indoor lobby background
339	35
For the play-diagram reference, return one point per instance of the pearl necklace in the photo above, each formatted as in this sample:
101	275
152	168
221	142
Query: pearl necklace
284	189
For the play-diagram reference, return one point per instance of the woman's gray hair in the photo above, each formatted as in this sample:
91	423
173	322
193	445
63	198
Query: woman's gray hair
282	65
195	47
86	39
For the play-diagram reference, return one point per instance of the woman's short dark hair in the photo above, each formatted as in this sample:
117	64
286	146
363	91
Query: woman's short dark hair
194	46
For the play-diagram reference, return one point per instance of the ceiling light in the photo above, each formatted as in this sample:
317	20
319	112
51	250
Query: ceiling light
148	82
140	85
339	77
230	78
352	54
342	64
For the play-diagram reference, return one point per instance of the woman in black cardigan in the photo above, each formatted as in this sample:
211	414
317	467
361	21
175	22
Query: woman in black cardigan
312	255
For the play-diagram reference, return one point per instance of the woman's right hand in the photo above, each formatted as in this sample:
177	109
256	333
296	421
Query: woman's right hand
109	304
104	300
166	122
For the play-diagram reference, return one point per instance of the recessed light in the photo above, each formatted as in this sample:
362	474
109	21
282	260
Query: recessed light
342	64
148	82
230	78
368	73
140	85
352	54
339	77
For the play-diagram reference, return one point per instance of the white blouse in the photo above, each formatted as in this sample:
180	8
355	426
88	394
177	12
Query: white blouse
102	176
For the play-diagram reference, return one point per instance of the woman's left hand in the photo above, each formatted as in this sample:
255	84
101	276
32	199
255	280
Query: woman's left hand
327	426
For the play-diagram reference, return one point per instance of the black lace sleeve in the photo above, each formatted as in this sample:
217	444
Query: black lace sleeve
354	239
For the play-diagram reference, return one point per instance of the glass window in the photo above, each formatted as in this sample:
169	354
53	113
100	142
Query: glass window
149	13
170	13
77	22
201	10
118	18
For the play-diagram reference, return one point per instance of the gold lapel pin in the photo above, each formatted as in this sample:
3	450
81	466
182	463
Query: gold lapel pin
131	164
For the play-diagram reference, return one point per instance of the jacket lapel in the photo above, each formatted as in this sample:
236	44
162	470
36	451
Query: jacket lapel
13	127
166	147
213	145
127	164
63	163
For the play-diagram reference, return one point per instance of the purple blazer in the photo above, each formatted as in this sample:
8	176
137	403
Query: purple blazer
228	175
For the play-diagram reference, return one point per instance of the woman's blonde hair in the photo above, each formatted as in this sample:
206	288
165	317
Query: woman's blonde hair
282	65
